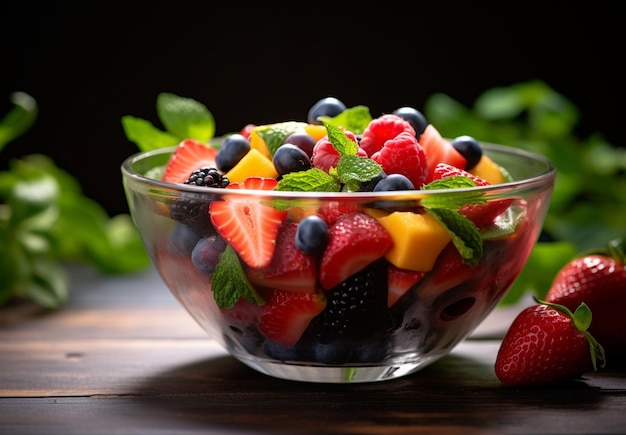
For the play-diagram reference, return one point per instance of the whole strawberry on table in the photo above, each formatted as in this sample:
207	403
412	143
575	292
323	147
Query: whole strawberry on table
578	328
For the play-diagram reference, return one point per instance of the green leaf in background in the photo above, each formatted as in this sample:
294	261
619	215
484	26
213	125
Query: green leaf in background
19	119
145	135
588	204
545	260
46	221
185	117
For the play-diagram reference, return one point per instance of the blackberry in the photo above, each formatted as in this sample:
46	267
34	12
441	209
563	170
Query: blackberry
207	176
356	308
193	209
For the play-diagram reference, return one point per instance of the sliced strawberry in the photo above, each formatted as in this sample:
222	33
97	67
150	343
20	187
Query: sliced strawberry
355	240
399	281
286	315
439	150
481	214
188	156
248	224
290	268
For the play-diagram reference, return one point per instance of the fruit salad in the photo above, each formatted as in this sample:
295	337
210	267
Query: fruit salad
317	242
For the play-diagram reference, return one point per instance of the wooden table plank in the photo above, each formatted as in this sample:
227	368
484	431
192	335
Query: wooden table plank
111	362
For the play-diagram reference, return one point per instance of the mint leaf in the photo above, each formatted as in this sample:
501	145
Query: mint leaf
145	135
185	117
341	142
229	282
354	119
274	135
463	232
311	180
354	170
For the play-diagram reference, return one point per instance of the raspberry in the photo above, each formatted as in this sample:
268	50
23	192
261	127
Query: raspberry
403	155
325	156
381	129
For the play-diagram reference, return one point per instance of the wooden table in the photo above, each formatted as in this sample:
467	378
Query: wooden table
124	358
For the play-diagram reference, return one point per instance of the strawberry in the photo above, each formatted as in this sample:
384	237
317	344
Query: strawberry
597	278
246	130
382	129
439	150
403	155
188	156
248	224
481	214
286	315
324	155
354	241
331	210
546	344
448	272
290	268
399	281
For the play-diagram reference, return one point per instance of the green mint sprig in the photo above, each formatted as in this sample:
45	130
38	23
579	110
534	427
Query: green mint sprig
229	282
354	119
351	171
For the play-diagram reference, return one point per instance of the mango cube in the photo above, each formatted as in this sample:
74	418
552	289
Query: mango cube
254	163
488	170
417	238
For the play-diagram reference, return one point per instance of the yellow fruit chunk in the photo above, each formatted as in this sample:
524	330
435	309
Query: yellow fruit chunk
257	143
488	170
417	238
254	163
315	131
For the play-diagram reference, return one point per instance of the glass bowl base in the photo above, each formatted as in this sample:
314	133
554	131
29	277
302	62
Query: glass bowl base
335	374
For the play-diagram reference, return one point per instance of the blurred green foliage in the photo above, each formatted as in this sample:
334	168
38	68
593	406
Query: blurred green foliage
588	206
46	221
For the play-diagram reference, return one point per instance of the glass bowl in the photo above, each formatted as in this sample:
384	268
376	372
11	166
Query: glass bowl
381	323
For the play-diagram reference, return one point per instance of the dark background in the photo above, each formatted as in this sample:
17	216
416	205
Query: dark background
87	64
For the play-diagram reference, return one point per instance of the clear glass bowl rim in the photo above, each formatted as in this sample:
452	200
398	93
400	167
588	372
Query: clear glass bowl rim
540	180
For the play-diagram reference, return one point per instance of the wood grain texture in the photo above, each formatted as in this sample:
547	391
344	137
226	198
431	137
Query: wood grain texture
109	363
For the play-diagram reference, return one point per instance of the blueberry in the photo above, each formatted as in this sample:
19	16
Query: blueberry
312	235
335	352
302	140
183	239
394	182
328	106
205	255
233	149
289	158
470	149
414	117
